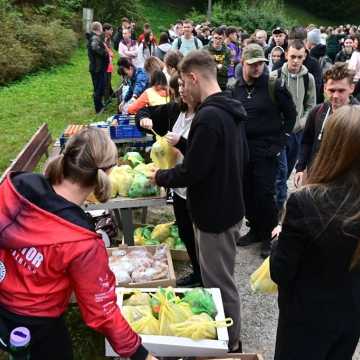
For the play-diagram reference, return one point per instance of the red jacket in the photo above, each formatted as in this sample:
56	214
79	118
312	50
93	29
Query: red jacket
43	258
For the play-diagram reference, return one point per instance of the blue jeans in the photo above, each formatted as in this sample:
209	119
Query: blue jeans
287	161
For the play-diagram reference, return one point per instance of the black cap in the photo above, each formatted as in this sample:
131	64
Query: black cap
279	30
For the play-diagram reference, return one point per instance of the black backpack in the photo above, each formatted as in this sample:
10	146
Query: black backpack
196	42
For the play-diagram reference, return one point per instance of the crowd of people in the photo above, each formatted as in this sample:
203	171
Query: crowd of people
243	113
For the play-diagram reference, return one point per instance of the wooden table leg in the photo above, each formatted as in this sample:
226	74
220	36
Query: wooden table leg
128	226
144	215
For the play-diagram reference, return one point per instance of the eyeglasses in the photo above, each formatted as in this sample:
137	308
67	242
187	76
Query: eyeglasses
217	38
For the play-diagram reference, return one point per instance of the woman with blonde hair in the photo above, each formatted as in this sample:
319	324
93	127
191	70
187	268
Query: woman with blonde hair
316	262
49	249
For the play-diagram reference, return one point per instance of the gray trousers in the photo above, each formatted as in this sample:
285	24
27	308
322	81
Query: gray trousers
216	254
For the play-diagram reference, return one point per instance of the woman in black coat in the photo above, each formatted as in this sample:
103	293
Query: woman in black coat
316	262
173	120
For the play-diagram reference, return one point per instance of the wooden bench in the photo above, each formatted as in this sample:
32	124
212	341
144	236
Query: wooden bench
32	152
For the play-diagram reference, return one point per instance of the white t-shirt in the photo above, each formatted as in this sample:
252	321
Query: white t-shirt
187	45
182	127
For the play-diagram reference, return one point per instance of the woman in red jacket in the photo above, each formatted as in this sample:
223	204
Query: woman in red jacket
49	248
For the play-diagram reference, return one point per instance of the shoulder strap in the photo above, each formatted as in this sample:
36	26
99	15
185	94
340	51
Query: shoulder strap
196	43
179	42
279	73
306	86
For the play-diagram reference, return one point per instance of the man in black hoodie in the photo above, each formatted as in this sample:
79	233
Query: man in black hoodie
212	171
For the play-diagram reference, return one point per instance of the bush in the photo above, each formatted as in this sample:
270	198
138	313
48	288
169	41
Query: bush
247	15
27	47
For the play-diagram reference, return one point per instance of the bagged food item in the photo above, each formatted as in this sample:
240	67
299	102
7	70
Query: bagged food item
142	187
170	242
146	169
161	232
161	253
135	312
142	234
134	158
179	245
141	319
122	276
260	280
200	301
123	176
163	154
138	298
158	270
198	327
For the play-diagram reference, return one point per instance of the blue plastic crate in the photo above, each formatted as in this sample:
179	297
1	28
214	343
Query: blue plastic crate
125	132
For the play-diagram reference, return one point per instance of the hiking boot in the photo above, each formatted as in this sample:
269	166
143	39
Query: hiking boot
248	239
265	249
190	281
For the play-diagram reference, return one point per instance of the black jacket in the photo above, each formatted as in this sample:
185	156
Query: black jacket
315	70
213	165
164	118
267	121
342	56
318	51
319	296
98	56
310	143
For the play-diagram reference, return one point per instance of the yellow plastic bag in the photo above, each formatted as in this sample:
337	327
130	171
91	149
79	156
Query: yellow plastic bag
163	154
141	319
161	232
138	298
172	310
123	177
260	279
146	169
198	327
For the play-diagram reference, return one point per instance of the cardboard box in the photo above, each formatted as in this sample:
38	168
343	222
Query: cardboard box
235	356
173	346
170	281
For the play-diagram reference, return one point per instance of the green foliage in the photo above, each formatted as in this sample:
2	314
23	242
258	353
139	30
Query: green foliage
249	15
26	47
341	10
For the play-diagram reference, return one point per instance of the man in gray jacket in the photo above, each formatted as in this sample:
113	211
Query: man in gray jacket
301	85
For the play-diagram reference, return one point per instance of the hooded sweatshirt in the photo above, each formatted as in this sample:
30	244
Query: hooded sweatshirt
296	85
48	249
161	50
213	165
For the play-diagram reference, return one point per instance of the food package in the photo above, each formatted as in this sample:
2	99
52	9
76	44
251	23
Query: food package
161	232
122	177
142	234
163	154
133	158
198	327
200	301
141	319
137	298
146	169
142	187
260	279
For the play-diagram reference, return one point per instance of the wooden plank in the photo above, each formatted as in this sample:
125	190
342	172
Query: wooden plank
32	152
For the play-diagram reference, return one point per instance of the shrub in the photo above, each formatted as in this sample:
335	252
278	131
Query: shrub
247	15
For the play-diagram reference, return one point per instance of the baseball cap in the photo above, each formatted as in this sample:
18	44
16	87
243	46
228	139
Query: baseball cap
279	30
253	53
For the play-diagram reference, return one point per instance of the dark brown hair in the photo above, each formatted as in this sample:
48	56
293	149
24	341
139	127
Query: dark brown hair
201	61
339	71
296	44
173	58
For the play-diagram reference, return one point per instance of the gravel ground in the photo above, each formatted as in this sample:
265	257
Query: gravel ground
259	312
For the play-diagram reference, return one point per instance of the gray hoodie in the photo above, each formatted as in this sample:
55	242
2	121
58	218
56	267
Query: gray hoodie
296	86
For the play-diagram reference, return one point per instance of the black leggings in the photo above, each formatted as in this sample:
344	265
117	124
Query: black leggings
186	231
50	338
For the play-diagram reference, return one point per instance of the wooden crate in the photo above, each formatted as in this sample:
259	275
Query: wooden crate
170	281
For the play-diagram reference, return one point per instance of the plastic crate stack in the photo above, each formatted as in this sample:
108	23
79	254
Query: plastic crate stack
124	127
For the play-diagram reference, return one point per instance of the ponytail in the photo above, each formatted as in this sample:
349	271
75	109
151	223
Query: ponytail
102	189
54	169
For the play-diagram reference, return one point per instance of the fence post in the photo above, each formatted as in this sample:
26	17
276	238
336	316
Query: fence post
88	16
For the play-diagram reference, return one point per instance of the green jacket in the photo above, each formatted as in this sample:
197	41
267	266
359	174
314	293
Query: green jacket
296	86
222	59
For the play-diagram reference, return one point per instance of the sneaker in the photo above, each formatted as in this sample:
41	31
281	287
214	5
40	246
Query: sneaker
265	249
248	239
190	280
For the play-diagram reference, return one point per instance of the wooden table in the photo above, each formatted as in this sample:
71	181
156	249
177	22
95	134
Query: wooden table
122	208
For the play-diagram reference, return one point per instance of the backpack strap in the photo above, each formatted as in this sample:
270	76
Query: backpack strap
306	87
273	80
179	42
196	43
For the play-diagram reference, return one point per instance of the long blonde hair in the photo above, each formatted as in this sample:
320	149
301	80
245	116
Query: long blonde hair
86	158
337	167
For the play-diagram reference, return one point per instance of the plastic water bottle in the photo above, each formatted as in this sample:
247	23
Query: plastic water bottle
19	344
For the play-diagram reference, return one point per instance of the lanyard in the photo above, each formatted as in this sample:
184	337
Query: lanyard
324	123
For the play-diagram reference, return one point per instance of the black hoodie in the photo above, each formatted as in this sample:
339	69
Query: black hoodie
318	51
213	165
